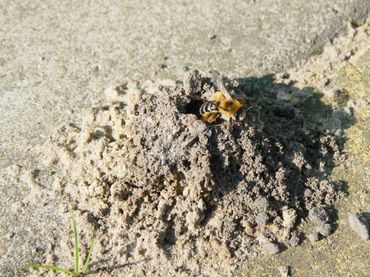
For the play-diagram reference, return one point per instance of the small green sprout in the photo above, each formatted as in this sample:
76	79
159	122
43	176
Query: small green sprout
76	271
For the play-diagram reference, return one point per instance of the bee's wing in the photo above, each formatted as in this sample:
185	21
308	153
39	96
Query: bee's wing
218	80
198	98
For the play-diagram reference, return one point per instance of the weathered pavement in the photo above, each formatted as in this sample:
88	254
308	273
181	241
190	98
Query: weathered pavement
57	57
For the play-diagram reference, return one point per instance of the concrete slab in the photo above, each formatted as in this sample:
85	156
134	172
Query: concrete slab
56	58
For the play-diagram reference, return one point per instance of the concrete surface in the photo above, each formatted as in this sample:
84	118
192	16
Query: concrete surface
56	57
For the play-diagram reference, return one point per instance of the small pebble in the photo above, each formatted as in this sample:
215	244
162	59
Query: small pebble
286	75
313	237
9	235
271	247
327	82
262	218
359	224
324	229
318	216
294	238
284	271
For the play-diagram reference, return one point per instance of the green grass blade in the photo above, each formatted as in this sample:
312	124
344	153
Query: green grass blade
76	254
87	262
55	268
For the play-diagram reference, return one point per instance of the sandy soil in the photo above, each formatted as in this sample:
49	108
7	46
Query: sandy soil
170	194
163	187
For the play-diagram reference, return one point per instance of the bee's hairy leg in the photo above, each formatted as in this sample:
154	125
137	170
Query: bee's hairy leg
229	125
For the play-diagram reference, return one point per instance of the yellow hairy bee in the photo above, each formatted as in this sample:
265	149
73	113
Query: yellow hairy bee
222	106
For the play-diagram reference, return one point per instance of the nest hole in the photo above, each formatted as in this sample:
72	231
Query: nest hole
193	107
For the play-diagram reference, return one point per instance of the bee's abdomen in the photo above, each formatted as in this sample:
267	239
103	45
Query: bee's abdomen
207	107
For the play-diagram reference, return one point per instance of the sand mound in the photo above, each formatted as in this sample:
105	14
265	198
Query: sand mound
169	194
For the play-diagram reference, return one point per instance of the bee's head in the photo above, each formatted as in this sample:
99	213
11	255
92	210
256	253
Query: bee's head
240	114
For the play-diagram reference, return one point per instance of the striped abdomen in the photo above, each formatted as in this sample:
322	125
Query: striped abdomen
207	107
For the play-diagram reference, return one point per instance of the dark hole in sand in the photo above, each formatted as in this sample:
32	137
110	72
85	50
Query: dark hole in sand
193	107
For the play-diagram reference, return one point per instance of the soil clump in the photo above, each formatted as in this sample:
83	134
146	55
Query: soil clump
170	194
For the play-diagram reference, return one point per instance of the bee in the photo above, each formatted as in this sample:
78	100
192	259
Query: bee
222	106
